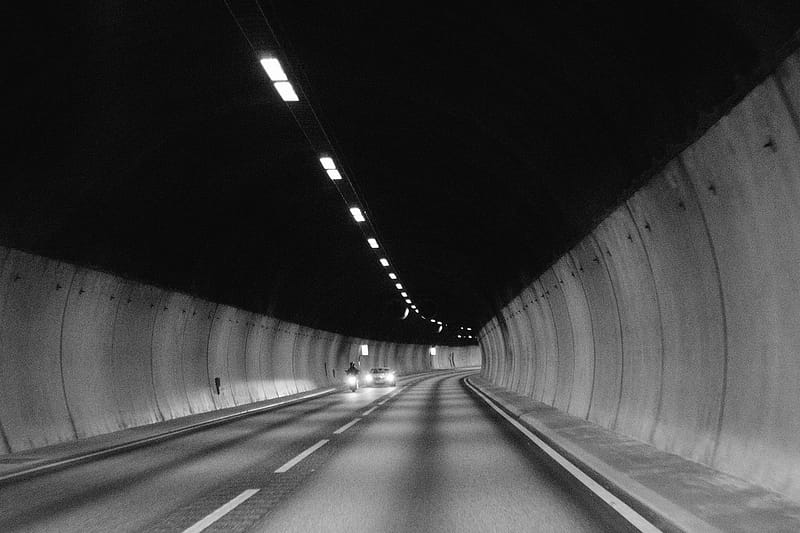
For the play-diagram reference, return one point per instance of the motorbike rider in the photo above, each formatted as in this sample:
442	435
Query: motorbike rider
352	371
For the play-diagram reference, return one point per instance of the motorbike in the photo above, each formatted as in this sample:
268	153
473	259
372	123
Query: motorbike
352	382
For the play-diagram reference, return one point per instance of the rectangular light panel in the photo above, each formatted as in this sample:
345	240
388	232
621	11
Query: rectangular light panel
356	212
392	275
384	262
274	69
286	91
373	243
334	174
399	286
327	163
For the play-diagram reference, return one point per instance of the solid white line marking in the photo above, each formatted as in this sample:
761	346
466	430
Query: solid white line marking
346	427
368	411
219	513
302	456
635	519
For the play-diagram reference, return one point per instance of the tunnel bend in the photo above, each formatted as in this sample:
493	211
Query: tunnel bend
692	293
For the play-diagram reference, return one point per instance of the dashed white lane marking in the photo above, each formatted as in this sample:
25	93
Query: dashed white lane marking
346	427
219	513
301	456
368	411
634	518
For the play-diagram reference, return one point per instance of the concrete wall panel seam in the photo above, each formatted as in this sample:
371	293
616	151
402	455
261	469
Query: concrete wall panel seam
714	258
619	325
660	322
61	355
210	379
579	281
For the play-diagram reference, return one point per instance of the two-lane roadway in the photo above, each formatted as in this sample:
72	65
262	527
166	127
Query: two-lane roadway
425	456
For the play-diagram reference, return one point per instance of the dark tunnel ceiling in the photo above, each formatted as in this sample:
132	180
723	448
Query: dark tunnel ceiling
145	140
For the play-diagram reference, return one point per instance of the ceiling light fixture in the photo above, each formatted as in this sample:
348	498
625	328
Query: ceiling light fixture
327	163
286	91
392	275
334	174
384	261
274	69
373	243
357	214
399	286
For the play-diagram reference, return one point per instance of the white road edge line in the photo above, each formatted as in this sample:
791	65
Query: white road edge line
219	513
368	411
634	518
346	427
301	456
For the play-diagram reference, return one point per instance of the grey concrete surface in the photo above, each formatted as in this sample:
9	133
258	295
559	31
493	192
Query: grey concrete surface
691	291
429	458
432	460
674	494
84	353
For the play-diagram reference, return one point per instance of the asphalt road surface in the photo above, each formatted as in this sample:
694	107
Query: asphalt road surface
425	456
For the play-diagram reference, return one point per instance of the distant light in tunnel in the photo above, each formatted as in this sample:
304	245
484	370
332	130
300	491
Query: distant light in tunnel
414	307
399	286
469	329
416	310
373	243
357	214
392	275
286	91
433	320
408	301
440	328
404	294
274	69
384	262
334	174
364	349
327	163
405	315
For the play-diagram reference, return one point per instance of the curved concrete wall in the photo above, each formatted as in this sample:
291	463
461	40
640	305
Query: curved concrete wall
84	353
454	357
677	320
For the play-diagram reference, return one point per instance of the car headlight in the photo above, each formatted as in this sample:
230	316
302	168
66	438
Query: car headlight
351	380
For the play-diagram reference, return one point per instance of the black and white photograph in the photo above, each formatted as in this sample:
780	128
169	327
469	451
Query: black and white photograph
372	266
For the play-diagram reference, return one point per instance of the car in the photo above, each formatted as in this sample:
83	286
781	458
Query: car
380	376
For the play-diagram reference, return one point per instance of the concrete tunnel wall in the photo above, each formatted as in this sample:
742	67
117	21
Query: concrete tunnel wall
677	320
83	353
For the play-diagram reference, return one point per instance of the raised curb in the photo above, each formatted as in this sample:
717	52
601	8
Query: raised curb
660	511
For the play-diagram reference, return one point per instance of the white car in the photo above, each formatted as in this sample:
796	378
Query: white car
380	376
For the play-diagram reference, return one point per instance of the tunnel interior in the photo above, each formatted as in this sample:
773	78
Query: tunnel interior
596	204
